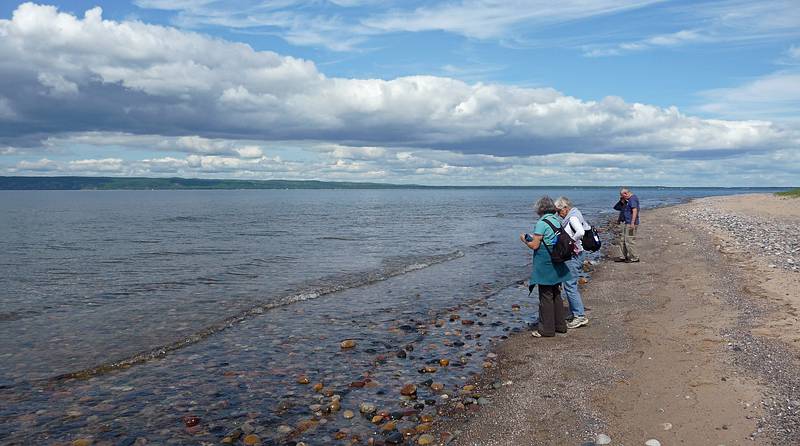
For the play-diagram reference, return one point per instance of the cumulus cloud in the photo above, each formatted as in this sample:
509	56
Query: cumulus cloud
220	107
138	78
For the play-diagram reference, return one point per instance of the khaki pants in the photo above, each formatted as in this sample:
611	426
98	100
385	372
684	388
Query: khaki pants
628	247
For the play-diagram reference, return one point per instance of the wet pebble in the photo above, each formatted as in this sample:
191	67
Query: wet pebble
347	344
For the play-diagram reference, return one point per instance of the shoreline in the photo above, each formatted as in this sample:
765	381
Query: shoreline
688	352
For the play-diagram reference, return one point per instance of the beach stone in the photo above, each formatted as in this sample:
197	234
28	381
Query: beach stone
377	419
444	362
582	281
408	390
191	420
348	414
318	386
302	379
284	429
251	440
83	442
602	439
366	408
425	439
389	426
437	387
247	428
666	426
395	438
468	388
424	427
401	354
347	343
652	442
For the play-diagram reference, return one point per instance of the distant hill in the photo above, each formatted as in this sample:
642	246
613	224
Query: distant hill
117	183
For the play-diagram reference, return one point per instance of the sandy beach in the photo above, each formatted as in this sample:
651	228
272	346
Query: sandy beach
697	344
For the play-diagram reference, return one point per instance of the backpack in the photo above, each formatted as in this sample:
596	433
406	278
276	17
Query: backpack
564	247
591	240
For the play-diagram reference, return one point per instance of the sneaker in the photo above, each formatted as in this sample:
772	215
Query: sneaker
579	321
632	261
621	260
536	334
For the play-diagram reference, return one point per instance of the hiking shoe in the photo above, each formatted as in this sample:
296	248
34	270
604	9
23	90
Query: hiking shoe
536	334
579	321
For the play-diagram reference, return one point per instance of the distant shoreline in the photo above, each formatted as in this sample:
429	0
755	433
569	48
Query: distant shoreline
176	183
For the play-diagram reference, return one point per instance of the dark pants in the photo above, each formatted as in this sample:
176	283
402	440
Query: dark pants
551	311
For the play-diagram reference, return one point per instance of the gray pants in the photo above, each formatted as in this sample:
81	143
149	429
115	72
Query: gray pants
627	249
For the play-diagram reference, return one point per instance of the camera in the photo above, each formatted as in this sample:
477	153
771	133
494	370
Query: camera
528	238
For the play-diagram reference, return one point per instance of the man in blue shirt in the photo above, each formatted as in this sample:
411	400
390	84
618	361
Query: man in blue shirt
630	215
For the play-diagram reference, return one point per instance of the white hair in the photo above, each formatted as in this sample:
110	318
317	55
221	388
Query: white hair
563	203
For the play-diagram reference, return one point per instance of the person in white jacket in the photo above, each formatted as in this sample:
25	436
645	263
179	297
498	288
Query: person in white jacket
575	226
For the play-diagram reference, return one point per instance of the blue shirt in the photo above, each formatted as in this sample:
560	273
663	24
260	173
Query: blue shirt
627	213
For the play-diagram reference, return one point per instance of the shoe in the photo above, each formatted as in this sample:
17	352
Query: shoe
579	321
536	334
632	261
621	260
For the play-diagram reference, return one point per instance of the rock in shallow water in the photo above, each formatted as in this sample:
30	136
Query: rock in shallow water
347	343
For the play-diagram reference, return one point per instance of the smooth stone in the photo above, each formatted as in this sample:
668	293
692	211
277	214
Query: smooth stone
348	414
652	442
302	379
666	426
602	439
348	343
251	440
191	421
247	428
425	439
366	408
284	429
437	387
408	390
401	354
444	362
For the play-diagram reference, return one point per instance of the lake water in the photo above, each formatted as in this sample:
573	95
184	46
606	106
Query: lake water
125	313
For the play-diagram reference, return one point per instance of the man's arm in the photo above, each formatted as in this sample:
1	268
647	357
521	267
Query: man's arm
634	214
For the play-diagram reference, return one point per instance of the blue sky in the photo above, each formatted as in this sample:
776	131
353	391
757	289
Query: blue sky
599	92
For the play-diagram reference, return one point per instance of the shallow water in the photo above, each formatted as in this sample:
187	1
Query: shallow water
170	304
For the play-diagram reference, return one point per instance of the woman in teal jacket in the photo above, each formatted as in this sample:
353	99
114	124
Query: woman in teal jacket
546	274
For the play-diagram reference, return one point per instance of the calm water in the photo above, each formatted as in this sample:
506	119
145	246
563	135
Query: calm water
234	294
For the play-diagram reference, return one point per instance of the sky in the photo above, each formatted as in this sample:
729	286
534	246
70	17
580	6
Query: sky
459	92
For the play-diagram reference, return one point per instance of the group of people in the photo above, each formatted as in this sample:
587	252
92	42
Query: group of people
561	215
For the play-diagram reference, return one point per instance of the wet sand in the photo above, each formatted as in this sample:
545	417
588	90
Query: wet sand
698	344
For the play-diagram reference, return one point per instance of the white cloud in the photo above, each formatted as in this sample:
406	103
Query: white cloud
174	81
494	18
729	22
773	95
216	107
677	38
